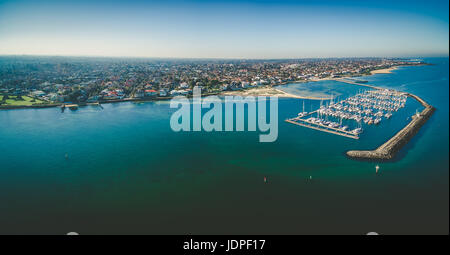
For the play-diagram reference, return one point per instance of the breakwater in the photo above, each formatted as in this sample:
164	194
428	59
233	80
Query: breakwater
388	149
355	83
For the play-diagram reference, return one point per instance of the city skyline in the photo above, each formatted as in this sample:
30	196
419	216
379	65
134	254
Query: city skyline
236	30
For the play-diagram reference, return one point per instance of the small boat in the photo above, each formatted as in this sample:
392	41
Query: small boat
357	131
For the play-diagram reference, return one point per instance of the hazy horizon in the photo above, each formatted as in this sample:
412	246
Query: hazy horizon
224	29
216	58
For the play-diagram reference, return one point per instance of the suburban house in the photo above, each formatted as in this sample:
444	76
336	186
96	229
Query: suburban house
150	93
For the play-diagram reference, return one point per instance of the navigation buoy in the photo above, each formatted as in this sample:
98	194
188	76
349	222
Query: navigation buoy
265	179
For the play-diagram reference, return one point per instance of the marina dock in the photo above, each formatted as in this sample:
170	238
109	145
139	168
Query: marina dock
336	131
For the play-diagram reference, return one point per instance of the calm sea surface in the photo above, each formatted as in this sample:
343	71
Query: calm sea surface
127	172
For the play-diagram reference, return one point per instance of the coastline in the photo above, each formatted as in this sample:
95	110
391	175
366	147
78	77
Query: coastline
279	93
267	91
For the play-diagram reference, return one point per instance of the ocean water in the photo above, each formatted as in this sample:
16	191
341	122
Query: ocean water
122	170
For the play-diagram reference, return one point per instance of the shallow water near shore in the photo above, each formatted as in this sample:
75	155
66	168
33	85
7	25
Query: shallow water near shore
321	89
123	170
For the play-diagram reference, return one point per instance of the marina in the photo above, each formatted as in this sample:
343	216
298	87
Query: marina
388	149
369	107
345	117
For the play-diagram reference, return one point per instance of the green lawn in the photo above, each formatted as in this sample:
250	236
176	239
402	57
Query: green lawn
26	101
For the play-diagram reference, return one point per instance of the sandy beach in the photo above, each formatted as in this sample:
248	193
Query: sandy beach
387	70
268	92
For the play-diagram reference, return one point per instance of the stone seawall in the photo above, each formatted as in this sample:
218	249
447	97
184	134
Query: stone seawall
388	150
12	107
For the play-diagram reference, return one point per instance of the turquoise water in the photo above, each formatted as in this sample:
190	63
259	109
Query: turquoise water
127	172
322	89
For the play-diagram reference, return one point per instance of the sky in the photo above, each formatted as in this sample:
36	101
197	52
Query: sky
225	29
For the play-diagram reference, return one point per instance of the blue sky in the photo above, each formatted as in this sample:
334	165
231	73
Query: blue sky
225	29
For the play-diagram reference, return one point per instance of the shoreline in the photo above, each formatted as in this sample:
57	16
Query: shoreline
272	91
283	94
384	71
268	91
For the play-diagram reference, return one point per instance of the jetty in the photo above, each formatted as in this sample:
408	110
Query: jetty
71	106
324	128
348	81
388	149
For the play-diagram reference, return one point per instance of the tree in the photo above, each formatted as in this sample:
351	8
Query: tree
191	84
73	97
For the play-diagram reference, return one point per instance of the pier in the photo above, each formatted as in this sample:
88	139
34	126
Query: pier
355	83
70	106
336	131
